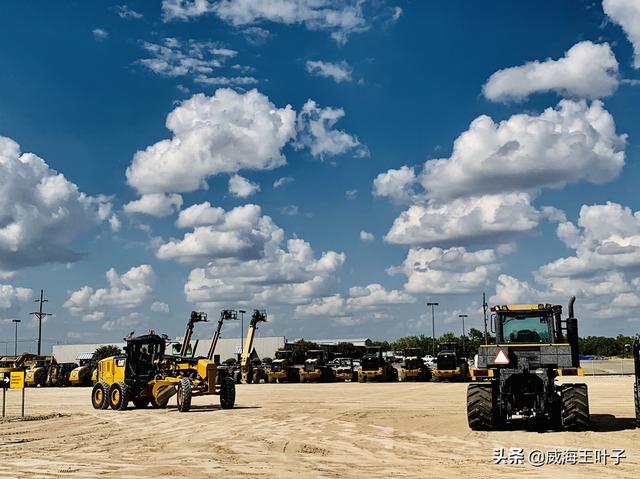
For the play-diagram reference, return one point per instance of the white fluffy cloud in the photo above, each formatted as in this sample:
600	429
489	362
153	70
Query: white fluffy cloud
160	307
484	190
127	13
11	300
224	133
447	271
626	13
285	180
397	184
155	204
477	219
42	212
587	70
339	17
126	291
100	34
200	214
607	238
241	233
315	131
362	304
240	187
603	273
203	61
290	275
573	142
366	236
339	72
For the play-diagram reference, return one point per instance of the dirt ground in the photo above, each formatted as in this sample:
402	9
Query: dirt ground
303	431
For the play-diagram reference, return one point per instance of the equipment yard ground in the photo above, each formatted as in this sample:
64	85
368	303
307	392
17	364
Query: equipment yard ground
298	431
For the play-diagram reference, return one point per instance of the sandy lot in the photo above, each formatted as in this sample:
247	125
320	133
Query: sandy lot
301	430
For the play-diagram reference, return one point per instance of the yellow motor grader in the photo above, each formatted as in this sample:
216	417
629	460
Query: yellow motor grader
146	375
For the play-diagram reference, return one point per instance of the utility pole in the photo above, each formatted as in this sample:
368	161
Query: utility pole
464	350
15	347
433	327
484	309
40	315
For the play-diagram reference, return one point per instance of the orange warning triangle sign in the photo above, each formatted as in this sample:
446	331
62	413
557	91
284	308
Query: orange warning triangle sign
501	357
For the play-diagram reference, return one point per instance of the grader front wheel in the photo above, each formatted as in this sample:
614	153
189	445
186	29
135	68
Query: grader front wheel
227	393
100	396
184	395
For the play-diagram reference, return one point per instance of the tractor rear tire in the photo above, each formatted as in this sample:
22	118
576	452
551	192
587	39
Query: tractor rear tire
183	395
119	396
636	397
100	396
481	405
575	407
227	393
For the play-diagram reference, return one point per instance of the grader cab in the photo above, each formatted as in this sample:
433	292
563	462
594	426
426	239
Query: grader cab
516	375
146	375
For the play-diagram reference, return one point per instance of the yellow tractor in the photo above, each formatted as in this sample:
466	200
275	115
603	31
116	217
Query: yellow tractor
283	368
146	375
450	363
413	367
344	370
315	368
374	367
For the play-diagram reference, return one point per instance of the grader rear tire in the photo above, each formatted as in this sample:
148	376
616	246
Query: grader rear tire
227	393
119	396
100	396
183	395
480	407
575	407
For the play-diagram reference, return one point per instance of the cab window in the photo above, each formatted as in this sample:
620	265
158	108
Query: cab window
525	328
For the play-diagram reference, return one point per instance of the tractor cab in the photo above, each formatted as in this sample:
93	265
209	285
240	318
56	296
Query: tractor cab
283	359
372	359
528	324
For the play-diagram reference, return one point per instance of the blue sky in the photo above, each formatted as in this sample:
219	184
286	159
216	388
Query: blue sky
449	148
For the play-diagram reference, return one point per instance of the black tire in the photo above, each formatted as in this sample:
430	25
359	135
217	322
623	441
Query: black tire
140	402
183	395
575	407
237	377
119	396
481	404
100	396
427	374
636	397
227	393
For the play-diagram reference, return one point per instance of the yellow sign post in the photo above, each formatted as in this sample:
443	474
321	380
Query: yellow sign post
13	379
16	380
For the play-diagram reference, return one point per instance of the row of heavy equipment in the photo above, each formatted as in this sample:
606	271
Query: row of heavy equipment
46	371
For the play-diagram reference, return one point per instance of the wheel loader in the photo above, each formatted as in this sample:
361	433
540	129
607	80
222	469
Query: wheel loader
374	367
413	367
146	375
315	368
450	363
283	369
344	370
516	376
82	375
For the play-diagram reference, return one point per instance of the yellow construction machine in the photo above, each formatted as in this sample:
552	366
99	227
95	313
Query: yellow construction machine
315	368
413	367
251	370
146	375
344	370
81	375
283	368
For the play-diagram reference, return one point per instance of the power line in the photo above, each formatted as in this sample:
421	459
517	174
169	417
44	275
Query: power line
40	315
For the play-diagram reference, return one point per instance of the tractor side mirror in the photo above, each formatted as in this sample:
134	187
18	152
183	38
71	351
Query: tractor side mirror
493	323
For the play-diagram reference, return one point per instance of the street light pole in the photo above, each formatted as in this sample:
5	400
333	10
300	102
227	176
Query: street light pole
15	347
433	327
464	351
